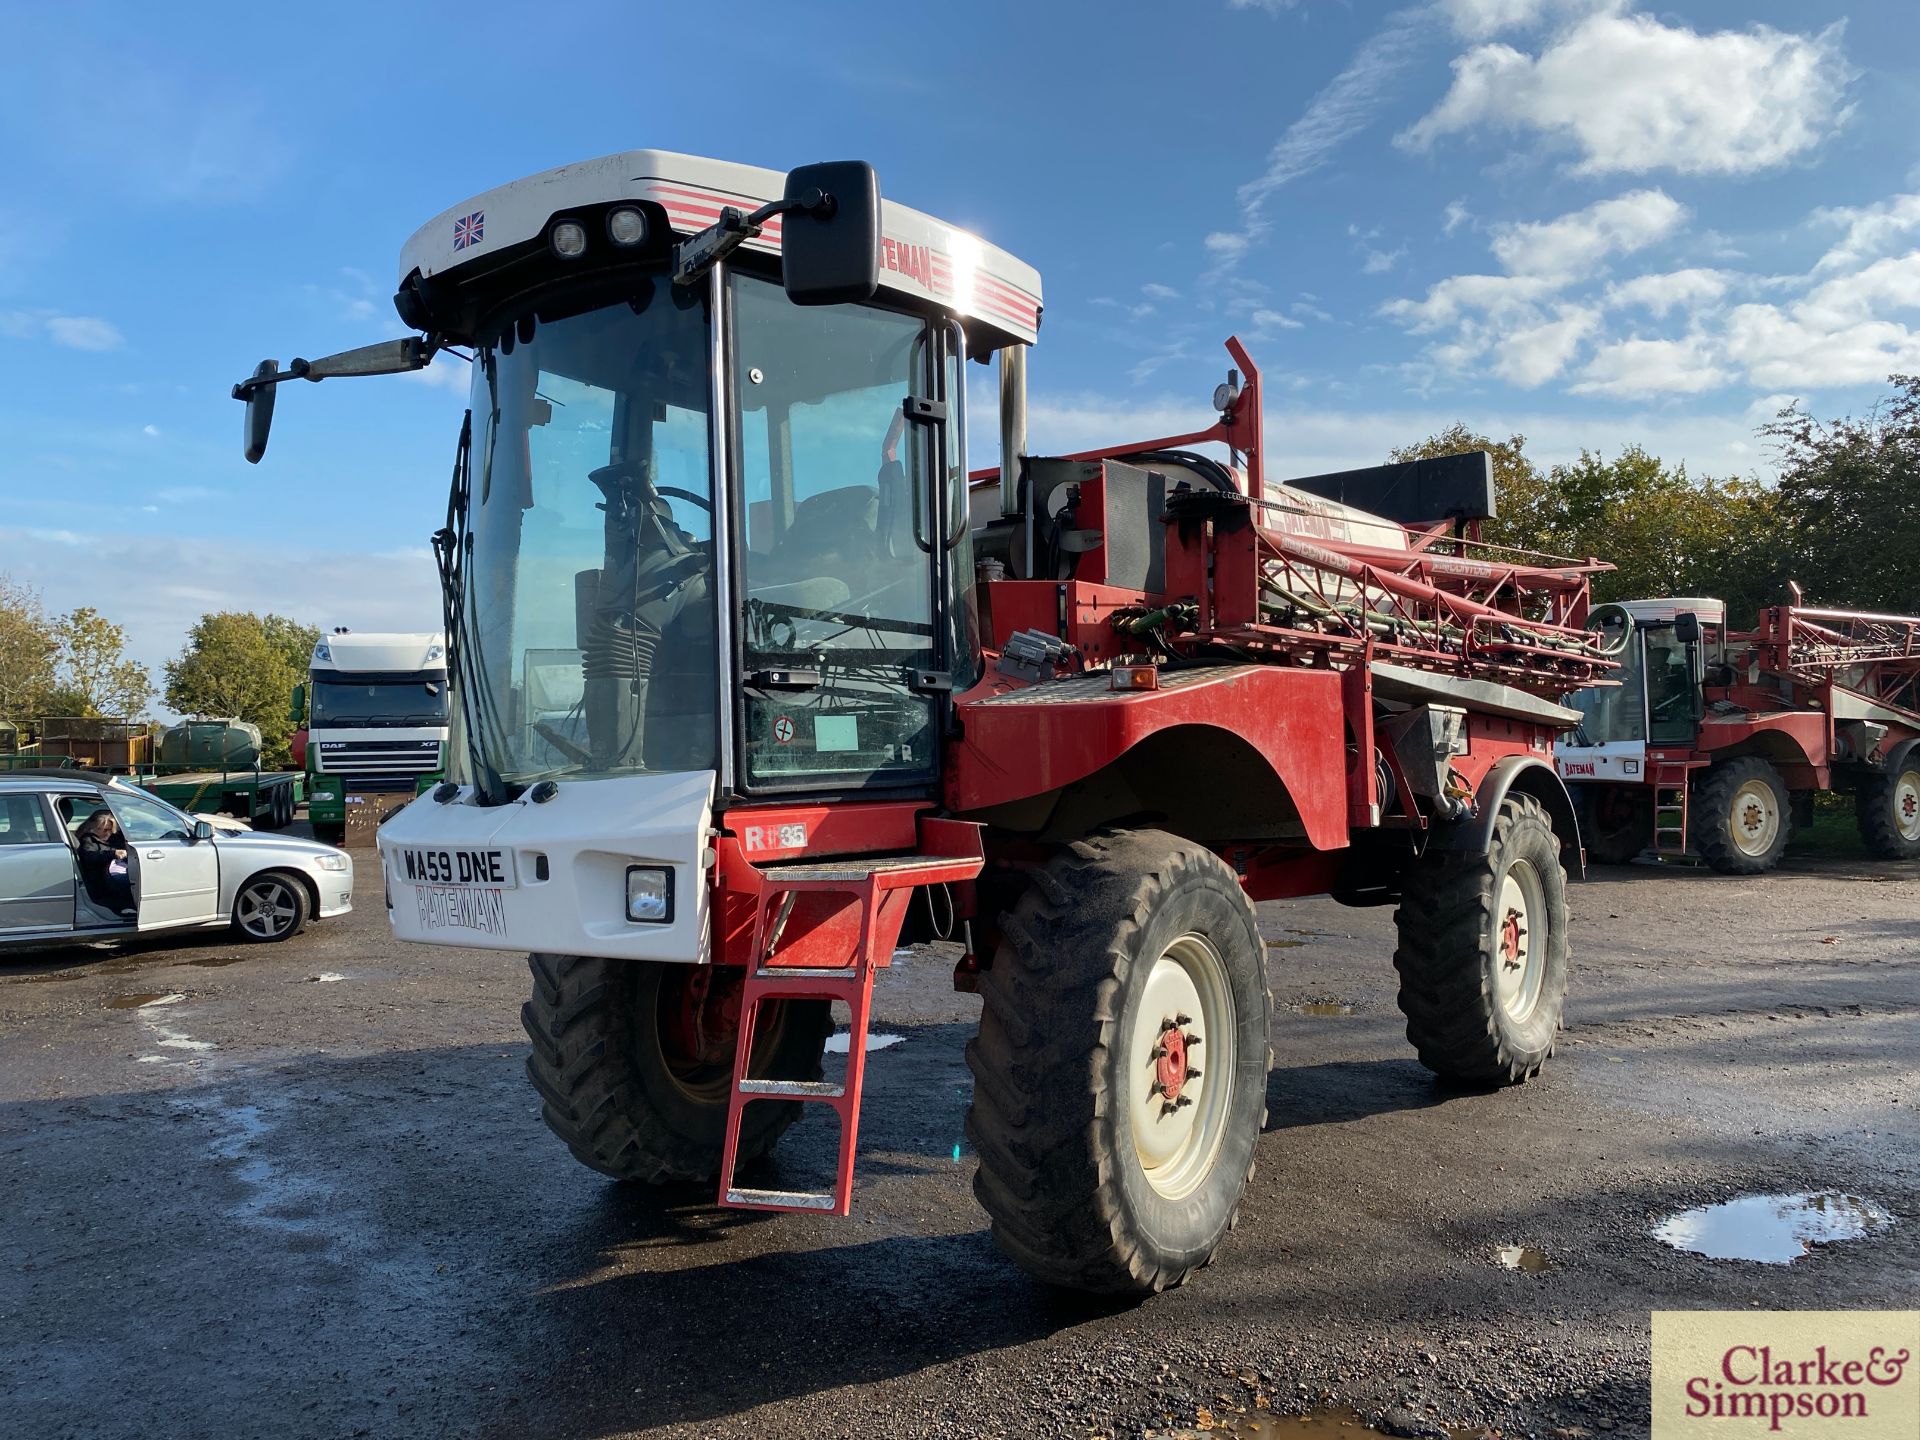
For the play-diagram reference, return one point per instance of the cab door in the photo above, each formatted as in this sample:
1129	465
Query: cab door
176	879
36	868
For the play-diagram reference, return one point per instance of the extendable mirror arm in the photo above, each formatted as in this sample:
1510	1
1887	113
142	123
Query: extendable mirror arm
389	357
695	257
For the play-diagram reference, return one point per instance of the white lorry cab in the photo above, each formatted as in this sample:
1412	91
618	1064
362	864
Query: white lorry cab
376	711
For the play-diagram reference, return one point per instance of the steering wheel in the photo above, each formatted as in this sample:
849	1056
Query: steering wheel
609	476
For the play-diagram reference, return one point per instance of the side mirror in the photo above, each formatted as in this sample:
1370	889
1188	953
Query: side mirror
202	830
297	709
1686	628
830	253
259	412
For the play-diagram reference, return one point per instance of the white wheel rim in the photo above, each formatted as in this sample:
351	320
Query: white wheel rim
1183	1031
1755	818
266	909
1519	941
1906	805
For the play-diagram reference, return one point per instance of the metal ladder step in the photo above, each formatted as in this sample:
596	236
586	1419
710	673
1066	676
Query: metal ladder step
780	1199
793	1089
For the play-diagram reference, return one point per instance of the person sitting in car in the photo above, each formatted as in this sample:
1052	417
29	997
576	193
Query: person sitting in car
103	863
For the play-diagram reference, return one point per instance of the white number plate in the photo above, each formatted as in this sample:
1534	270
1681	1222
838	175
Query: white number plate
455	865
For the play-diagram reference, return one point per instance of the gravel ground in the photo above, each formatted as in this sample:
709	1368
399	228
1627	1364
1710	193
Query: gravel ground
303	1190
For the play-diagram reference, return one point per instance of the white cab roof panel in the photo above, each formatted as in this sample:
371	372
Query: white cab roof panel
921	258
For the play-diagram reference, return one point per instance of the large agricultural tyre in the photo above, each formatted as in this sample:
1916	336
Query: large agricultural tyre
1887	810
1483	951
1120	1072
637	1091
1740	816
1616	821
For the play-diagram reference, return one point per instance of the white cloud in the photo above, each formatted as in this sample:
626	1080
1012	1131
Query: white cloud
74	332
1840	333
1378	262
1631	95
1159	292
1642	369
1340	110
1267	321
1661	293
1532	355
1272	7
152	430
1870	230
447	372
1573	244
1455	216
1458	295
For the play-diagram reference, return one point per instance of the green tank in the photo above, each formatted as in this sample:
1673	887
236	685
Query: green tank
211	745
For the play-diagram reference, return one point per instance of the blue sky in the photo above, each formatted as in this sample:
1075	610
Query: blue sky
1595	223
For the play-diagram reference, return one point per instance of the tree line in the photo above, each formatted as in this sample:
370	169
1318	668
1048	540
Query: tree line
234	665
1842	520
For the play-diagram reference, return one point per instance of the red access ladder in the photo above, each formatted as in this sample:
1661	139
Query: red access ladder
874	895
1670	808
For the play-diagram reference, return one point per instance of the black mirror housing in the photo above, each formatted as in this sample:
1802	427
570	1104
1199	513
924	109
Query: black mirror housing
830	253
259	412
1686	628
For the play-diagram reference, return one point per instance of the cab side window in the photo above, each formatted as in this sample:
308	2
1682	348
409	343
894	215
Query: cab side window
23	821
142	821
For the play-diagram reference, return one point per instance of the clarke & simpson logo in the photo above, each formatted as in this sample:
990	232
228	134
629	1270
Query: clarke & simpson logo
1786	1373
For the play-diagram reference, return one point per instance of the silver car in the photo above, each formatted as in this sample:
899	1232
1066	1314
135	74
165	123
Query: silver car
183	873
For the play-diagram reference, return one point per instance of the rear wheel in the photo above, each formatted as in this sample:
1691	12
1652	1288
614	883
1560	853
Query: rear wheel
1741	816
1483	951
634	1061
269	907
1120	1069
1888	811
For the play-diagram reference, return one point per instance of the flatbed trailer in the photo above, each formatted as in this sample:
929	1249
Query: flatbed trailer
265	799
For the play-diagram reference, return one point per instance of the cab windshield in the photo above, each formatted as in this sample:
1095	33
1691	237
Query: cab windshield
589	590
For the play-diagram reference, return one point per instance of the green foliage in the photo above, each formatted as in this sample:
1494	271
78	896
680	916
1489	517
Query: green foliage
27	650
1666	533
238	664
92	675
1852	491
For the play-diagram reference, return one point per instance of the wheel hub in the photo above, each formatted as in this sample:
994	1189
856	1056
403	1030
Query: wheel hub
1178	1111
1517	969
1171	1068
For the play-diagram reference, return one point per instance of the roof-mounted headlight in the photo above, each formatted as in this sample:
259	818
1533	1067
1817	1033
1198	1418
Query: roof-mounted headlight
568	239
626	226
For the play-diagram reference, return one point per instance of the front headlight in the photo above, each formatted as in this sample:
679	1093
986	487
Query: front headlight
331	862
650	894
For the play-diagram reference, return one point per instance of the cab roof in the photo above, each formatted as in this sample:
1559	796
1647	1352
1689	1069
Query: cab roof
922	259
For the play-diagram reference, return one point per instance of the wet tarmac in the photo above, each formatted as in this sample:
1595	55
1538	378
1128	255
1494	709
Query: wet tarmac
276	1206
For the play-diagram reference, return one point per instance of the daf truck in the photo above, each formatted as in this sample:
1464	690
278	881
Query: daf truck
375	709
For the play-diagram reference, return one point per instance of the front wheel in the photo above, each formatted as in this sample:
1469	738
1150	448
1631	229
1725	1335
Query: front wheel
1483	951
1887	810
1120	1069
1616	821
269	908
633	1060
1740	816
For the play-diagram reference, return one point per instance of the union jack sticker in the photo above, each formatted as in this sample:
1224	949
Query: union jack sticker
469	229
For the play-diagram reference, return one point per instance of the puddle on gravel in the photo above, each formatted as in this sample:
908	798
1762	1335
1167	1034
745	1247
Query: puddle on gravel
214	962
1322	1007
1285	944
1772	1229
325	977
837	1044
1523	1257
134	1002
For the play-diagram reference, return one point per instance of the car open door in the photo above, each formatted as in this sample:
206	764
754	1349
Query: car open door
176	878
37	875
